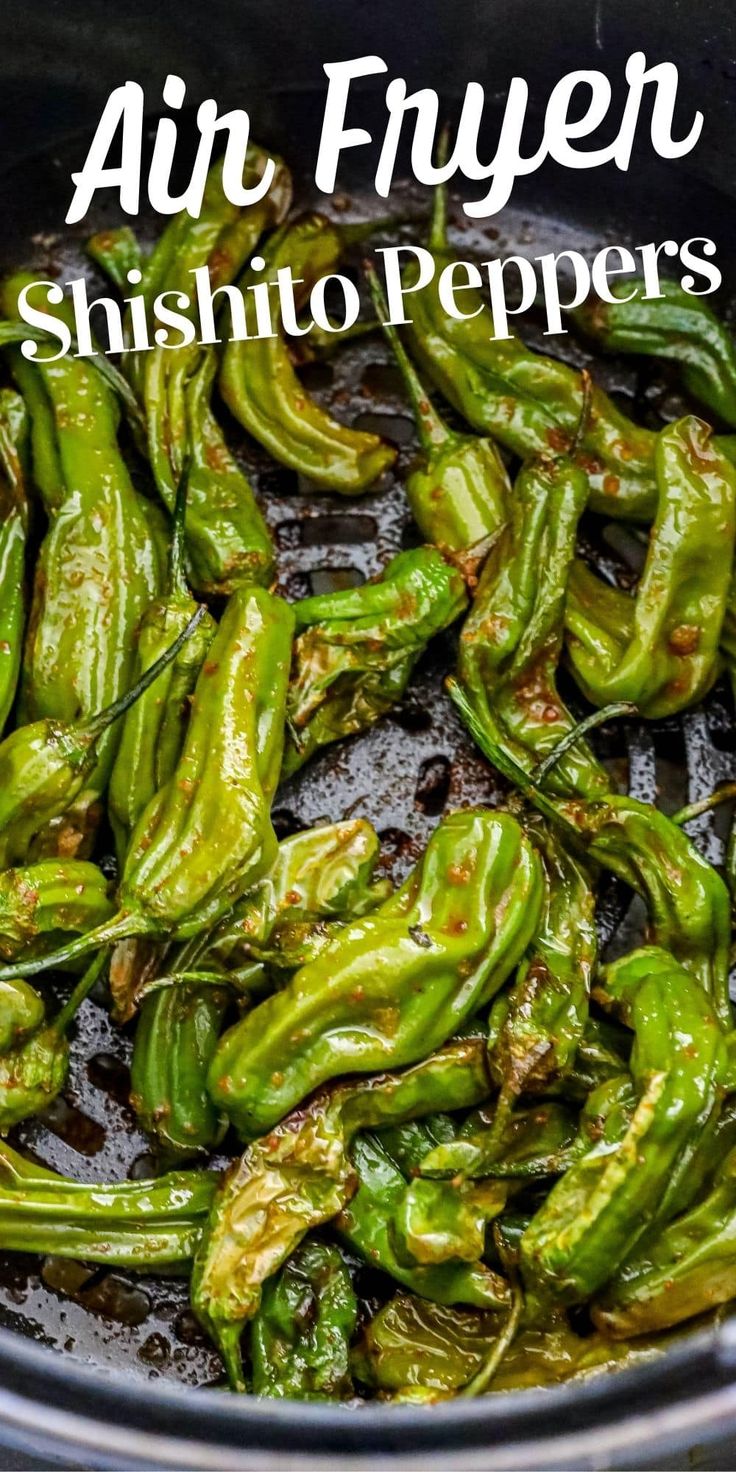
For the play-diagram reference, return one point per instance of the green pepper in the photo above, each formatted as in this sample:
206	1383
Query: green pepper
301	1176
684	1270
43	767
13	531
227	538
537	1027
355	649
443	1221
301	1334
131	1224
43	901
206	837
597	1212
368	1222
175	1040
459	489
660	649
260	386
688	903
396	984
21	1013
526	1145
511	641
99	563
34	1071
528	402
153	730
676	326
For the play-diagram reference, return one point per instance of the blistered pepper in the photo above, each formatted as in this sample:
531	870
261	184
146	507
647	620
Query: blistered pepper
175	1040
42	902
300	1339
395	985
34	1071
660	649
356	648
13	531
260	386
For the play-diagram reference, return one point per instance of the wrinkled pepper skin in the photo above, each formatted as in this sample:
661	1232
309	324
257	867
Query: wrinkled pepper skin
300	1176
511	641
153	730
675	326
34	1071
227	539
13	531
22	1012
529	403
99	562
459	488
355	649
660	649
537	1027
300	1339
44	767
207	836
595	1215
530	1144
367	1224
439	1221
261	388
688	902
685	1270
175	1041
132	1224
43	901
395	985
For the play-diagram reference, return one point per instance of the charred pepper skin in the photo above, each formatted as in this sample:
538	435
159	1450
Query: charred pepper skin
261	388
43	901
675	326
132	1224
300	1338
660	649
175	1041
355	649
511	641
99	562
393	986
14	427
595	1215
227	538
300	1176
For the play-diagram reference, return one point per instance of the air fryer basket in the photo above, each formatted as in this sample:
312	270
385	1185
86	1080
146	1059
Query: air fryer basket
417	764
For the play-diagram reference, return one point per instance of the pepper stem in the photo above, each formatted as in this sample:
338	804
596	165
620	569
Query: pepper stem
482	1378
597	718
81	990
178	585
94	727
585	408
432	430
438	222
121	927
725	793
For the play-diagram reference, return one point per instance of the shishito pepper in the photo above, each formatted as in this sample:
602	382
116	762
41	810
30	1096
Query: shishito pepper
459	489
99	562
131	1224
660	649
34	1071
43	901
175	1040
207	837
301	1175
596	1214
355	649
395	985
511	641
676	326
13	530
227	538
688	902
260	386
300	1339
44	767
153	730
684	1270
530	403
